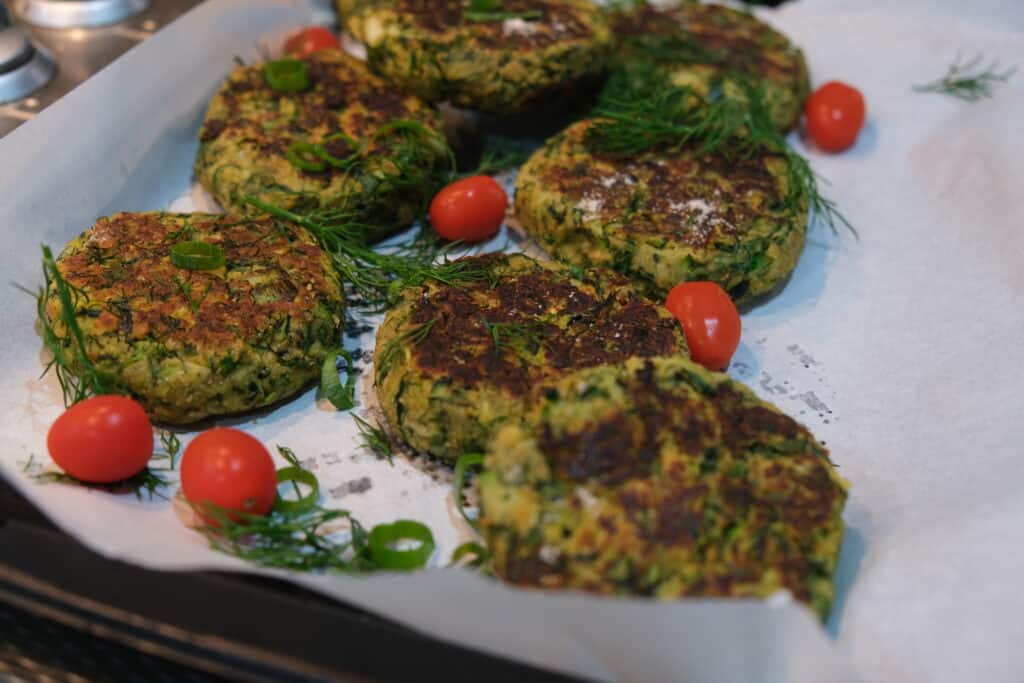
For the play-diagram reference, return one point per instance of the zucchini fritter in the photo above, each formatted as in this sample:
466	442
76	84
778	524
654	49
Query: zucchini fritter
705	45
455	361
437	50
189	344
661	219
657	477
249	128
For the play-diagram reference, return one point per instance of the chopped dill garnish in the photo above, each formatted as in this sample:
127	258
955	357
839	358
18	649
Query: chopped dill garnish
374	439
490	10
302	535
396	346
640	110
171	448
377	277
78	377
522	338
969	79
148	482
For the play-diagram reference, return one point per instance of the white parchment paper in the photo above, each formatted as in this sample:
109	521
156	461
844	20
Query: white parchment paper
903	351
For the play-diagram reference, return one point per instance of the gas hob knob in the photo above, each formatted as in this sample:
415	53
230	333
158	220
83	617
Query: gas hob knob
76	13
23	68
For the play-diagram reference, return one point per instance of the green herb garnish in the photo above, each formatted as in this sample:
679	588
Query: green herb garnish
195	255
78	377
490	10
305	156
295	534
286	75
374	439
342	397
477	554
641	110
969	80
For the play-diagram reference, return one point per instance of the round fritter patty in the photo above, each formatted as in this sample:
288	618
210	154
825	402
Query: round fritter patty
656	477
660	218
441	50
189	344
706	45
454	361
389	172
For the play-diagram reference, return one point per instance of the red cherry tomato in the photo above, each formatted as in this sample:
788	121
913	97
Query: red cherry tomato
102	440
309	40
470	209
835	114
710	321
231	470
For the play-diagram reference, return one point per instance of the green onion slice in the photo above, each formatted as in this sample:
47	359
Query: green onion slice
286	75
465	461
195	255
383	537
471	549
338	162
305	155
342	397
297	475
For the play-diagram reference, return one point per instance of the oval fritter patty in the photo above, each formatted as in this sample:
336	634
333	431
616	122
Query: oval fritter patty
656	477
702	45
440	50
249	128
189	344
660	218
454	361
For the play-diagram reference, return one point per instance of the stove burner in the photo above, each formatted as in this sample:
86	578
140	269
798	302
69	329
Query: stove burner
76	13
23	68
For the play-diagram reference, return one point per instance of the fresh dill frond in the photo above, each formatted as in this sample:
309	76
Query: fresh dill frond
641	110
77	375
500	154
396	346
377	276
969	79
374	439
522	338
147	482
171	447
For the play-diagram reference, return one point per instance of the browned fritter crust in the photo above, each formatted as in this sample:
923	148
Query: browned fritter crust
455	360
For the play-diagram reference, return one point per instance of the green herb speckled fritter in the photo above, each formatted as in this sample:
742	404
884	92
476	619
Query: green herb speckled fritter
664	218
705	45
657	477
250	127
189	344
436	49
455	361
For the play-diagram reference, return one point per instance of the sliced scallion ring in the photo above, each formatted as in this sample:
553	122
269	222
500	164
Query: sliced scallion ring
286	75
195	255
383	537
465	461
473	550
298	475
339	162
305	156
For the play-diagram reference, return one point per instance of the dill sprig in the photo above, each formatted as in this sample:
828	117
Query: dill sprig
490	10
148	482
397	345
374	439
500	154
78	377
641	110
969	79
522	338
307	536
376	276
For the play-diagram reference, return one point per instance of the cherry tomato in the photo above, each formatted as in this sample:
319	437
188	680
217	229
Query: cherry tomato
231	470
310	40
835	114
710	321
102	439
470	209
